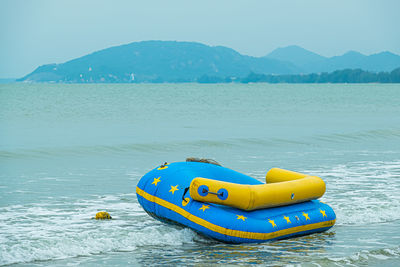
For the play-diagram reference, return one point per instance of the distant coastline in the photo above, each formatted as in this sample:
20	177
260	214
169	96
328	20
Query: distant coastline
183	62
339	76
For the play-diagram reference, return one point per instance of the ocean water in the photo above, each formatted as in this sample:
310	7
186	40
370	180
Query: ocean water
69	151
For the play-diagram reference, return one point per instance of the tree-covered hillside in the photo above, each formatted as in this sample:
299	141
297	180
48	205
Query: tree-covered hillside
339	76
157	61
170	61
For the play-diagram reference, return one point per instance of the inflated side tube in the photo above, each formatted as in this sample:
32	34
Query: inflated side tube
276	175
253	197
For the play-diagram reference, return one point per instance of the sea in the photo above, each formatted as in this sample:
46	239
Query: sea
68	151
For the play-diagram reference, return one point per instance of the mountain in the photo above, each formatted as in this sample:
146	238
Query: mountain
170	61
158	61
310	62
384	61
296	55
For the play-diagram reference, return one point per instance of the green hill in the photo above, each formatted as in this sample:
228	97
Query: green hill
158	61
170	61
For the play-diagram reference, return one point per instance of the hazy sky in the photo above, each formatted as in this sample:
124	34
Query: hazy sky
37	32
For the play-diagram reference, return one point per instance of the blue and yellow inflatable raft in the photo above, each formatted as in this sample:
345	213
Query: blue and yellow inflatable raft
232	207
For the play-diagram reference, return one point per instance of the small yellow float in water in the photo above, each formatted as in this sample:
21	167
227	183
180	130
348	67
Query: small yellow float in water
103	215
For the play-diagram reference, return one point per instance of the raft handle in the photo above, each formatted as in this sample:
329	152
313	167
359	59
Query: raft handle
184	193
218	194
221	194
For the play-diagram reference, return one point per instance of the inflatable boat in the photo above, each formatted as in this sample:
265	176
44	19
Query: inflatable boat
232	207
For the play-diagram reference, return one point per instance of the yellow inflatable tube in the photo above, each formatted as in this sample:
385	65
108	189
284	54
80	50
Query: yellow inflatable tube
283	188
276	175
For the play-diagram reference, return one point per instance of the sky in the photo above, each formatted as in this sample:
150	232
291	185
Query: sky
37	32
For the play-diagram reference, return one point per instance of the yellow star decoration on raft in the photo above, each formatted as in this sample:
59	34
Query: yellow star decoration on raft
156	180
173	189
241	217
323	213
272	223
287	219
306	216
204	207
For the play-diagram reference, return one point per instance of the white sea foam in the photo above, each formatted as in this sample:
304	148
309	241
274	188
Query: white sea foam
359	192
367	257
62	230
363	192
75	242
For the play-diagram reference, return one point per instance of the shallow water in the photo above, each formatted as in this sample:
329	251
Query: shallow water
68	151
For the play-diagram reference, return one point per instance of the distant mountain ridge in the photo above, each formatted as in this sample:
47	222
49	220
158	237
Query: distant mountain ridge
310	62
296	55
171	61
